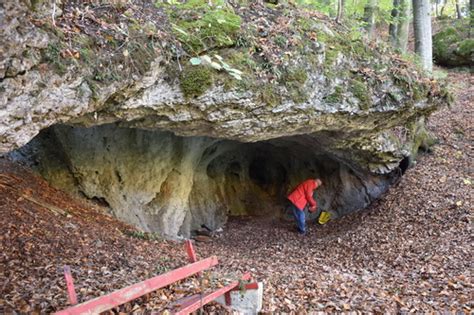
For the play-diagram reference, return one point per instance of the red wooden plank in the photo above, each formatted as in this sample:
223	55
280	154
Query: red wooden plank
190	250
134	291
196	303
70	286
248	286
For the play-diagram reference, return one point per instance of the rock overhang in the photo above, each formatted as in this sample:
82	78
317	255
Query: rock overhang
172	185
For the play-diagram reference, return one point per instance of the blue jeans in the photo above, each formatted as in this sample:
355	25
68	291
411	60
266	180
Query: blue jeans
299	218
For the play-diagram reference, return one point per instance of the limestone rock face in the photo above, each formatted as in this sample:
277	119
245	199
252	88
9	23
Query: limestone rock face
170	184
170	145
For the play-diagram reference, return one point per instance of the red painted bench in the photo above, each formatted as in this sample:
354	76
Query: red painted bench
132	292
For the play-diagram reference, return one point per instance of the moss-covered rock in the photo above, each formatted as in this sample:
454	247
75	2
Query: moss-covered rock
360	90
195	81
452	46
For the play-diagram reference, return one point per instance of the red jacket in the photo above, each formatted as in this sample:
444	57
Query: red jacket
303	194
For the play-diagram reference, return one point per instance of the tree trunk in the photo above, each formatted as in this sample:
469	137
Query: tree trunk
369	17
422	27
471	13
340	10
443	7
403	25
393	28
400	25
458	10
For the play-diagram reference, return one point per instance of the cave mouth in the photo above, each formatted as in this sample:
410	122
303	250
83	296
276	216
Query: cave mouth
165	183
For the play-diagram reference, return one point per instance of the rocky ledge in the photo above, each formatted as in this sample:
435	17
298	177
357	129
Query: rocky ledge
179	118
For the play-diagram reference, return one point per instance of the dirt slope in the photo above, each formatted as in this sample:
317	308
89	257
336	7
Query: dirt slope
36	242
411	251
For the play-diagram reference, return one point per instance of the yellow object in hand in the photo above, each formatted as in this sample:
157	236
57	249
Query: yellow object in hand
324	217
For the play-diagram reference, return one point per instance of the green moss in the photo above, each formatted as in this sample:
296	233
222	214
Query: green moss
52	55
336	96
361	91
453	46
304	24
243	61
298	96
195	80
269	95
36	4
294	80
446	94
419	92
331	56
296	75
421	138
443	40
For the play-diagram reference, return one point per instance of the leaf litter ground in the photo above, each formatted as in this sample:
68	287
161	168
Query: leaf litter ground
411	251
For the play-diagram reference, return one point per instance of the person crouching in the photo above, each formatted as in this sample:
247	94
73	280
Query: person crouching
299	198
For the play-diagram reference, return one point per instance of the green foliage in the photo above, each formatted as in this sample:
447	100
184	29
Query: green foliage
325	6
200	26
466	47
195	80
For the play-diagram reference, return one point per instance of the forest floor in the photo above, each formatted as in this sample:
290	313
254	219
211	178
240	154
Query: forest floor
410	251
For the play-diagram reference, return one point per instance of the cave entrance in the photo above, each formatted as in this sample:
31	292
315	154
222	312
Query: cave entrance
162	182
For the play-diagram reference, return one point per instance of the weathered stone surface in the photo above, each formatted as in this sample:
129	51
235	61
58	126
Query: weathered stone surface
169	162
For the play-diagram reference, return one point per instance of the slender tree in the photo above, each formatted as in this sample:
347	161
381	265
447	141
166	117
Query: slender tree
422	27
403	28
400	25
443	7
458	10
340	10
393	27
471	13
369	16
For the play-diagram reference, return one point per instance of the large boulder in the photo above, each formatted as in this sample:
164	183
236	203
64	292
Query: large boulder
179	115
453	46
